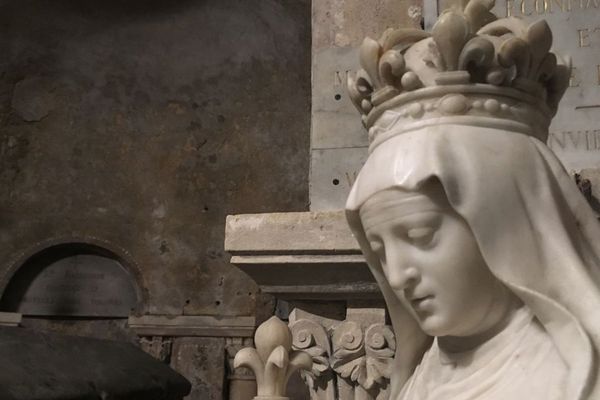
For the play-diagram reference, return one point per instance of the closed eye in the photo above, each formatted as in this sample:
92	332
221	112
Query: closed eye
421	236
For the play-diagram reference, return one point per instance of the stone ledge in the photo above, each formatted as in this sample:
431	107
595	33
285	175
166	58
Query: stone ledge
193	325
300	255
10	319
288	233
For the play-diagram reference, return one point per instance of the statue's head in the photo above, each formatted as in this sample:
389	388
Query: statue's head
432	262
433	104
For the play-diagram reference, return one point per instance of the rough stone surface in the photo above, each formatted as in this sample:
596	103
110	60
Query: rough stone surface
202	361
142	124
49	366
104	328
293	232
31	99
138	126
338	141
343	23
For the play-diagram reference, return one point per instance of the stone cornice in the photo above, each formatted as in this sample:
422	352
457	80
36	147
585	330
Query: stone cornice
192	325
300	255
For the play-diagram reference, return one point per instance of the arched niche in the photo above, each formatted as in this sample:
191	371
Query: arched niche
71	280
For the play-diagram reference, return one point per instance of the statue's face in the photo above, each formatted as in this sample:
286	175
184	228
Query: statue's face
433	264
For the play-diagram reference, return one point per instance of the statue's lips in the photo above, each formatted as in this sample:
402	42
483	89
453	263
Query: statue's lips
420	303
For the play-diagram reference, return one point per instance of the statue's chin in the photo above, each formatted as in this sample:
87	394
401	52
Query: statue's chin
433	325
432	321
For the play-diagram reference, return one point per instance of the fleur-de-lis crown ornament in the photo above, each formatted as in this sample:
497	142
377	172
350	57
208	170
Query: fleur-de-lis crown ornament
272	361
471	69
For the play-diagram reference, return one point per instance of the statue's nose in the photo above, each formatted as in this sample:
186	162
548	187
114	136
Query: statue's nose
401	277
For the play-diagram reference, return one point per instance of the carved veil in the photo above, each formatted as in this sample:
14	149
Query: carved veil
536	232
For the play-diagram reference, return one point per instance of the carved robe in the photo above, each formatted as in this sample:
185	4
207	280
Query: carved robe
520	359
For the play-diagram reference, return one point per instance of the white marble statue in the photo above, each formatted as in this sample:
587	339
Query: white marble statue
485	251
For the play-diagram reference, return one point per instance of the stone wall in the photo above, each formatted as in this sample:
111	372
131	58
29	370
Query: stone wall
139	125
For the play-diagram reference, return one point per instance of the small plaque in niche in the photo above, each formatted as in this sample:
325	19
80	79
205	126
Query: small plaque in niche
82	285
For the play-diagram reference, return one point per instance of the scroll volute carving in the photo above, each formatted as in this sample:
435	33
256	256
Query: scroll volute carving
380	347
348	353
312	338
363	358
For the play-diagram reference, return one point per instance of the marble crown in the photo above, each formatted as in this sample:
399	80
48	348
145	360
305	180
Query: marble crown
473	69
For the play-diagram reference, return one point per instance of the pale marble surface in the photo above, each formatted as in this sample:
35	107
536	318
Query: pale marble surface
485	251
272	361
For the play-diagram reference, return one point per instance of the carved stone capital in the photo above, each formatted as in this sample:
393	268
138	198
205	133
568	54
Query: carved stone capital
364	357
351	358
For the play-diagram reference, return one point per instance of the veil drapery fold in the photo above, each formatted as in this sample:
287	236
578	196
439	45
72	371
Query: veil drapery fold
535	231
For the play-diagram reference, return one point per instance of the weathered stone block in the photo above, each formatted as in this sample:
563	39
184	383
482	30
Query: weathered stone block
202	361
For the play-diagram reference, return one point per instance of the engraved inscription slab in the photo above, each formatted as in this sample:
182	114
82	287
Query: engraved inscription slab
333	172
575	24
79	285
338	141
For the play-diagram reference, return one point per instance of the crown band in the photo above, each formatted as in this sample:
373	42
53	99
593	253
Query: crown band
476	105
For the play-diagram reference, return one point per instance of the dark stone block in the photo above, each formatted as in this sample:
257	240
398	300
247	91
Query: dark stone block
48	366
202	361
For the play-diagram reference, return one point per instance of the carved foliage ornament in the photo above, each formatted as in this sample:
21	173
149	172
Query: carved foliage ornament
365	360
312	338
361	356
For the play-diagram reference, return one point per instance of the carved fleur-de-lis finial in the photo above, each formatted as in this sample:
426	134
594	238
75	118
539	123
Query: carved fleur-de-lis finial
272	361
468	45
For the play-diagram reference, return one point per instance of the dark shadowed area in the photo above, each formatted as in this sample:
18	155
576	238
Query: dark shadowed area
137	126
